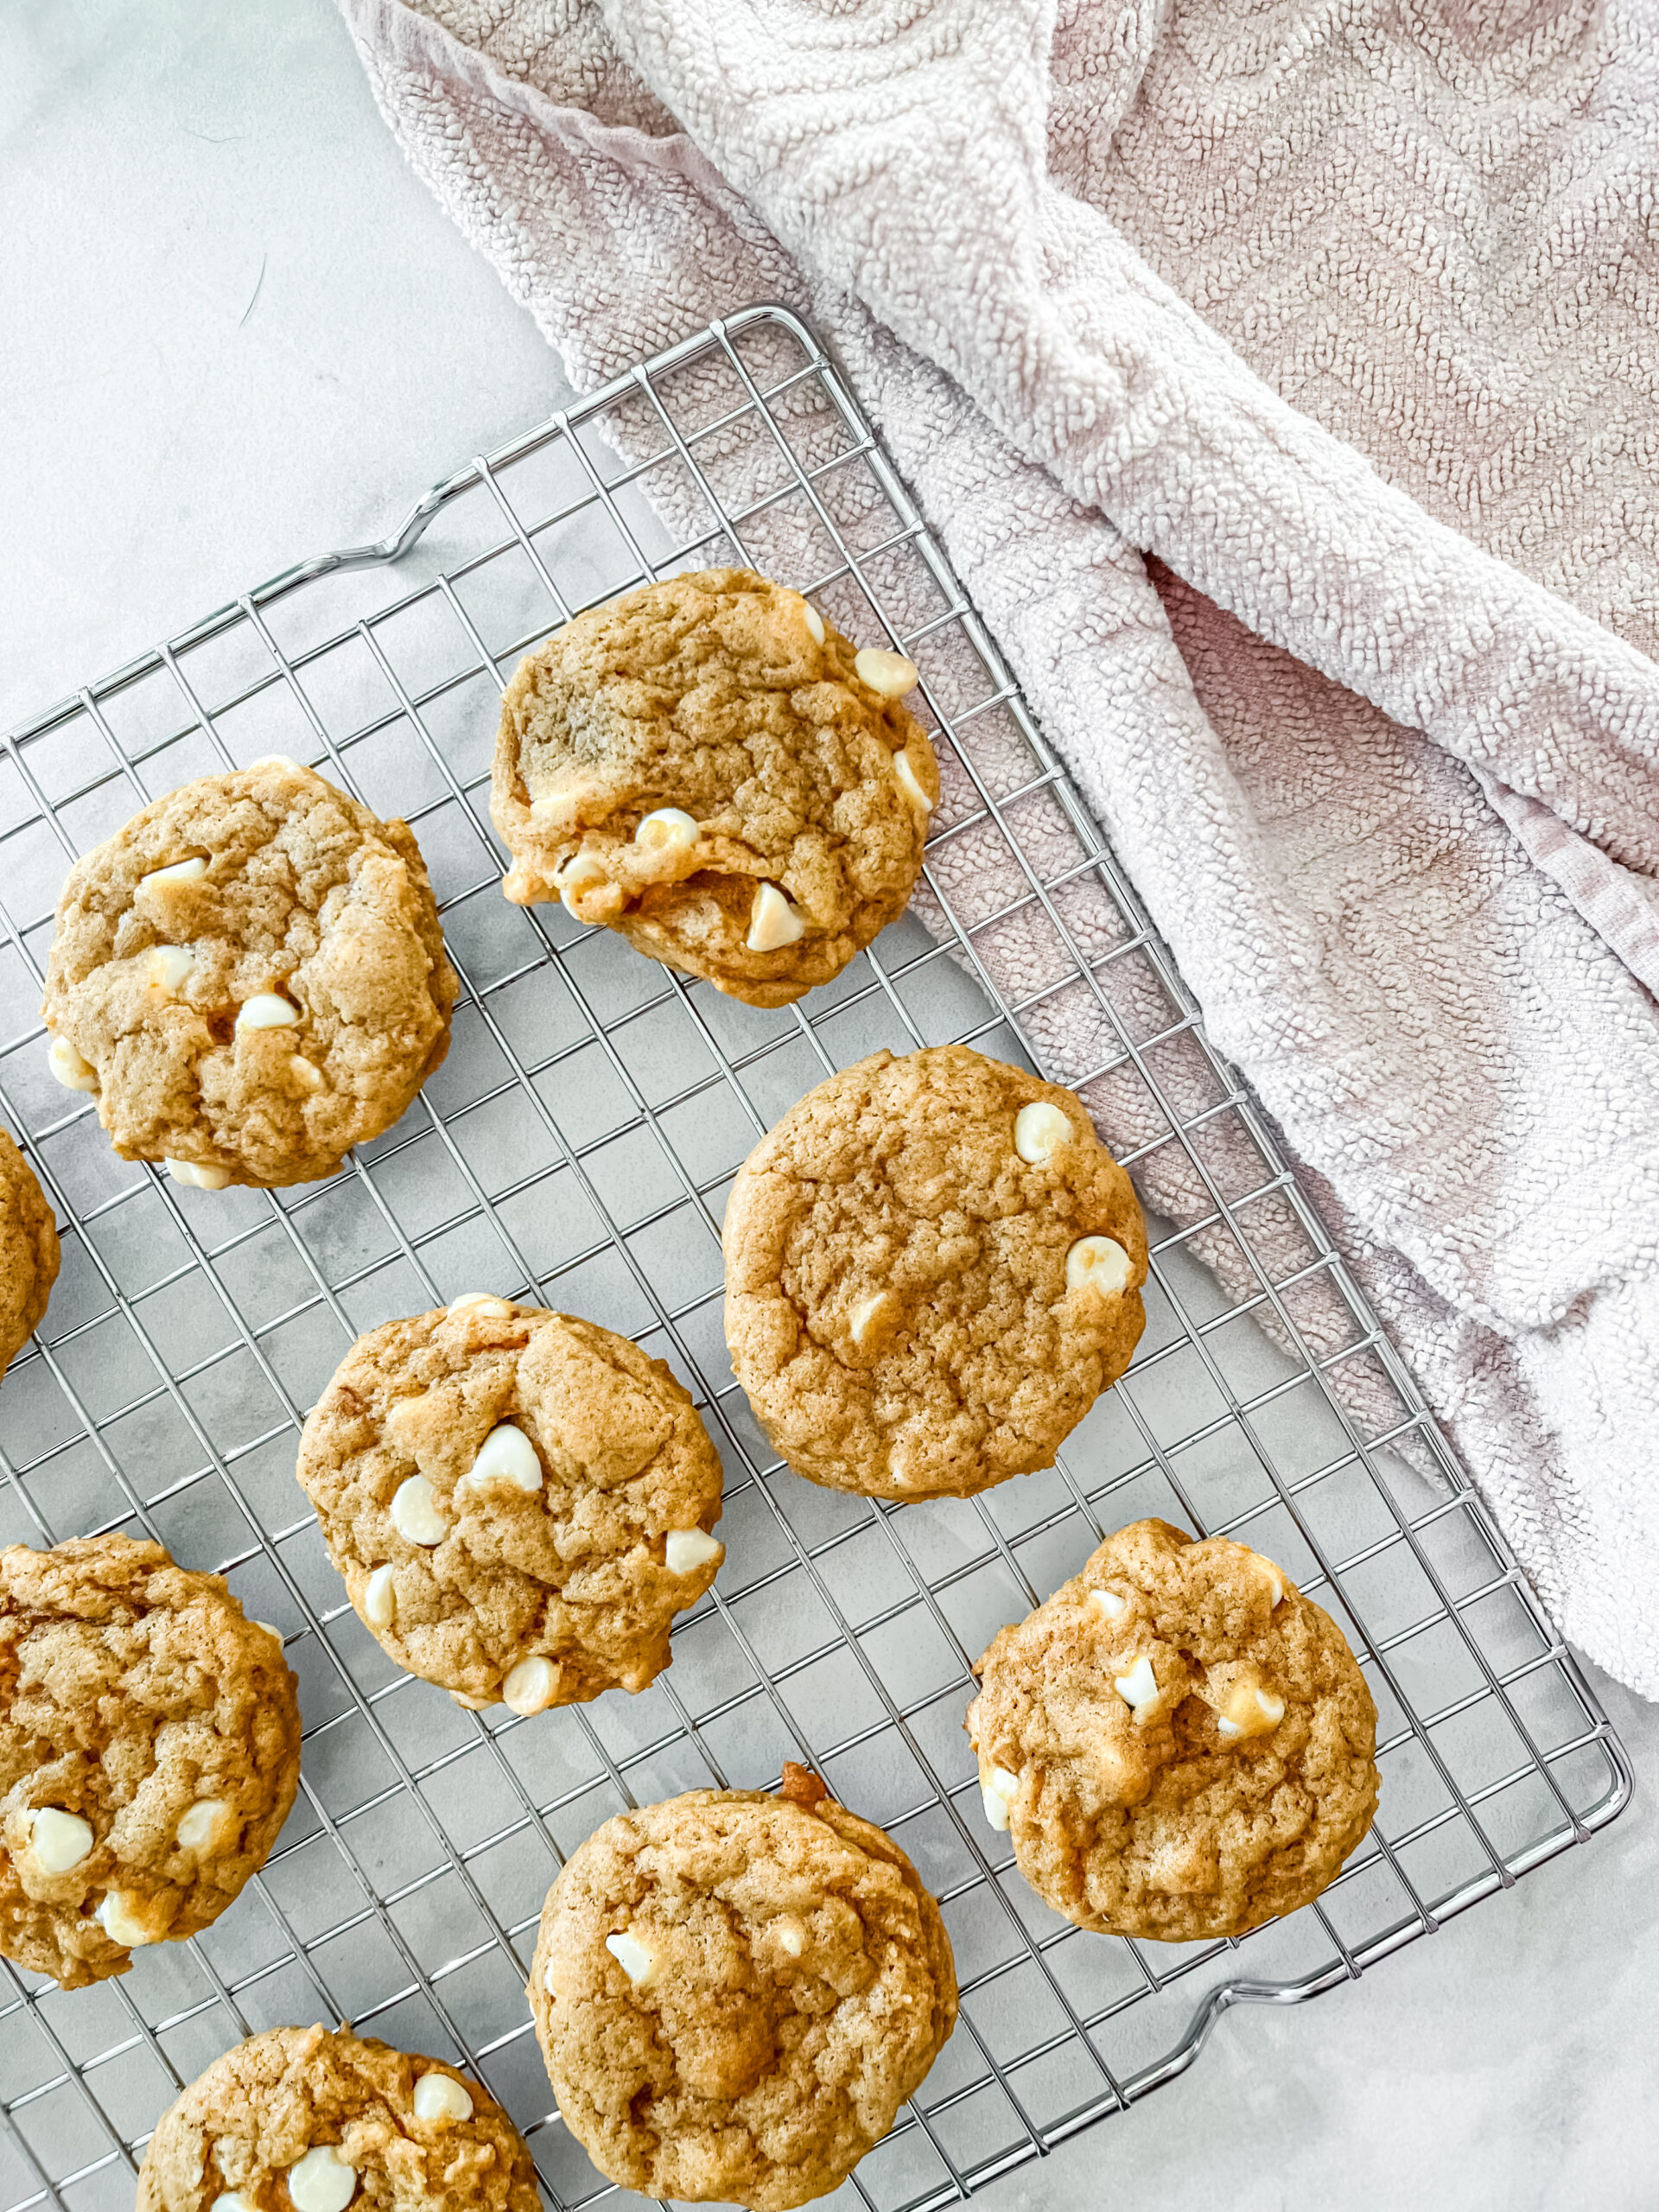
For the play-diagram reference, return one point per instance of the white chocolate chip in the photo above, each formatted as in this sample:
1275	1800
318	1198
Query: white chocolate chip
68	1068
813	620
232	2200
198	1178
772	921
1275	1580
861	1322
910	783
490	1307
579	874
119	1916
1110	1602
630	1954
791	1936
1039	1130
889	675
321	2181
203	1823
267	1010
306	1071
58	1840
1139	1689
1249	1710
1001	1790
669	830
1097	1263
415	1512
191	871
529	1688
469	1704
273	761
507	1455
439	2096
271	1631
380	1598
167	967
687	1549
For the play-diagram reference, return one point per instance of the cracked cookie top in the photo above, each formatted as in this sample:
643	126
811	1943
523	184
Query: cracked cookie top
735	1992
933	1268
28	1251
300	2119
707	766
519	1502
1179	1744
249	978
150	1753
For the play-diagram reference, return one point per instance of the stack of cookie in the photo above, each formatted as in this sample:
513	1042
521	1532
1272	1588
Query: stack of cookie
933	1268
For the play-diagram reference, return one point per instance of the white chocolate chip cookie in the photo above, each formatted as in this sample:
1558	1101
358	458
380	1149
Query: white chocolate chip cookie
735	1992
933	1268
150	1753
519	1502
28	1251
1180	1744
249	978
706	765
300	2119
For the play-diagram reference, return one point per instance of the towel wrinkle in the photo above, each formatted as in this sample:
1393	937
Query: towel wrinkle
1283	384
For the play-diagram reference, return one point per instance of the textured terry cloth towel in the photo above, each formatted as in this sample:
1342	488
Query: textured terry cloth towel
1281	379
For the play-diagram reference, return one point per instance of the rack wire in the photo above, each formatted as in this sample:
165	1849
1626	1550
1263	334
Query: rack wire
577	1148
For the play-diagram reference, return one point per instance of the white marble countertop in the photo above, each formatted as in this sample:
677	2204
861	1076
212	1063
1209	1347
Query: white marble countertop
235	330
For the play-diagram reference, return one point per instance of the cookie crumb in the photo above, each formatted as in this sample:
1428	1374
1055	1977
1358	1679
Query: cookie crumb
801	1786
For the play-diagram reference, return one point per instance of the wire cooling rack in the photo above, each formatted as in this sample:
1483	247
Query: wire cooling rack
576	1148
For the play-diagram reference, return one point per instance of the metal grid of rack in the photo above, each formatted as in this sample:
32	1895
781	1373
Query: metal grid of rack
576	1148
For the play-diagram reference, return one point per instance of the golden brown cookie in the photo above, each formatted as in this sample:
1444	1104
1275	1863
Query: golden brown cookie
933	1268
1179	1742
709	767
519	1502
735	1992
300	2119
249	978
28	1251
150	1751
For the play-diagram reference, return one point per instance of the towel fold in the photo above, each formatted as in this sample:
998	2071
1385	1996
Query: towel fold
1282	383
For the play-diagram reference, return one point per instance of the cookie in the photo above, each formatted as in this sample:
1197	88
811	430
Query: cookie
28	1251
249	978
150	1751
299	2119
708	766
735	1992
933	1268
1179	1744
519	1502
